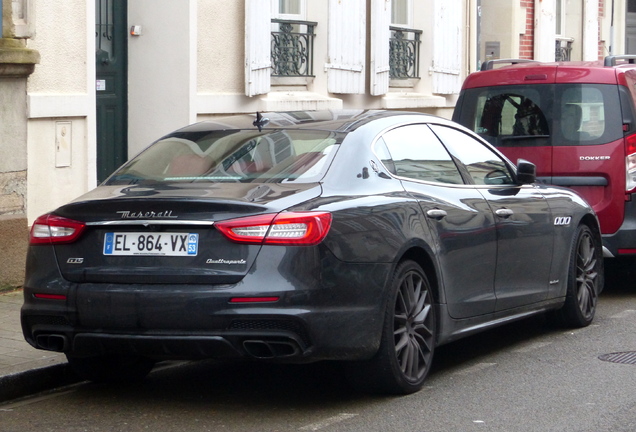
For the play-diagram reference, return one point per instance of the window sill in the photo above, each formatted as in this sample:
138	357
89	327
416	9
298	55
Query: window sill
404	83
397	100
291	81
298	100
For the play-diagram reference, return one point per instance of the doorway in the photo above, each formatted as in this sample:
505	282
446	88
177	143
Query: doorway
111	56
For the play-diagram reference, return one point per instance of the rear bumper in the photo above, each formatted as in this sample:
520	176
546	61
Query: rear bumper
623	242
335	316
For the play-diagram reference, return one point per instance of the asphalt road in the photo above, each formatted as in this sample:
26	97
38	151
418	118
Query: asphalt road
524	377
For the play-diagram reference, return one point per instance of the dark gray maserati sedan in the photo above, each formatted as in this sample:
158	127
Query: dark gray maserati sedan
367	237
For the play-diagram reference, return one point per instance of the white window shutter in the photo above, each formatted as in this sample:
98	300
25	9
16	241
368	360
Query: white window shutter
380	35
258	37
346	46
447	46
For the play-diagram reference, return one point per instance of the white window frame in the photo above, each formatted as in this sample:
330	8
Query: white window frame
559	18
409	15
302	16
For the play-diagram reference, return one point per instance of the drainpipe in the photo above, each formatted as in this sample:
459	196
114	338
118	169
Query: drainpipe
1	15
611	50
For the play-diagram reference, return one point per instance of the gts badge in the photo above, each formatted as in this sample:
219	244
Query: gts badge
75	261
562	221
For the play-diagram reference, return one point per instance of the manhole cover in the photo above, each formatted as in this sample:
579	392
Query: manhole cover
628	357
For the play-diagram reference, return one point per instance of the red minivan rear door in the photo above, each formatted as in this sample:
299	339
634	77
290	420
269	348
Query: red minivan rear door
587	139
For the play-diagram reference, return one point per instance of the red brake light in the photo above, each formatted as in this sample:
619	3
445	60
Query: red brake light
284	229
51	229
630	163
50	296
254	299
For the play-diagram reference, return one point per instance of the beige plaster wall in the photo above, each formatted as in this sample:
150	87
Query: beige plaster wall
498	24
61	90
60	37
51	186
220	46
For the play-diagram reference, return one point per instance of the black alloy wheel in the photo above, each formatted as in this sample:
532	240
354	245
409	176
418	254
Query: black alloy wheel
585	280
408	337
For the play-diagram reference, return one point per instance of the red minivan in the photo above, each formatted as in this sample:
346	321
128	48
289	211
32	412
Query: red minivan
576	121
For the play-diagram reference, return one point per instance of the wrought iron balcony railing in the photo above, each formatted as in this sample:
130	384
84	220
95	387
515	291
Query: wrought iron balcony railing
293	48
404	53
563	49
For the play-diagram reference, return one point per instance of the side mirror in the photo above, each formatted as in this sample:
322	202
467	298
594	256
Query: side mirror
526	172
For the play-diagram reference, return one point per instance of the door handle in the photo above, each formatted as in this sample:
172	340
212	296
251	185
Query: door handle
436	214
504	213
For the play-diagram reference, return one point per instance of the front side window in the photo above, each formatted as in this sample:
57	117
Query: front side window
543	115
417	154
484	166
244	156
511	117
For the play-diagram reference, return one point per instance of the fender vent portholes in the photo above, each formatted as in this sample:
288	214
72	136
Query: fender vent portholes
628	357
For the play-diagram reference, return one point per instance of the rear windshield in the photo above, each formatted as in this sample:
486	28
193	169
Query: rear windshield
543	114
245	156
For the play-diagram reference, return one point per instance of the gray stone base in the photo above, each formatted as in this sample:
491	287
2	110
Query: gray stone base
14	239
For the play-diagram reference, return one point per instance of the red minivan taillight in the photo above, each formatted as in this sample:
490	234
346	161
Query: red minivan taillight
284	229
51	229
630	163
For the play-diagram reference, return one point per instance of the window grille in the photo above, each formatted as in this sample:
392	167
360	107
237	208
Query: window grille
404	53
563	49
293	48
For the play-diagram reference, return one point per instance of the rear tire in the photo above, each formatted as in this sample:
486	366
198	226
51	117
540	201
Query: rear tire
408	336
585	280
111	368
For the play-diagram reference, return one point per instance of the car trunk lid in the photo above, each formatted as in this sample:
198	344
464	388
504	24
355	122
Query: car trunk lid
167	236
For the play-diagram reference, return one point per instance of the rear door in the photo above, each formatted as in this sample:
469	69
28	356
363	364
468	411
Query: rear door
457	215
588	153
522	218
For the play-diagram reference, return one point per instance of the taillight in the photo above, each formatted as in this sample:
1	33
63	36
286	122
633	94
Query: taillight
284	229
630	163
51	229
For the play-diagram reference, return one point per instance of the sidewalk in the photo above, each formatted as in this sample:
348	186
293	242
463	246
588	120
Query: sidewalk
25	370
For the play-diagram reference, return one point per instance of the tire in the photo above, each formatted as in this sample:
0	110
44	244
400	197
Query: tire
111	368
408	336
585	280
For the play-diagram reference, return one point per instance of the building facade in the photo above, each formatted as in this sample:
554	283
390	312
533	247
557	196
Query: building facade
86	84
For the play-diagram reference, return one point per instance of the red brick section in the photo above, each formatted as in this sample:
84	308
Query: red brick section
526	41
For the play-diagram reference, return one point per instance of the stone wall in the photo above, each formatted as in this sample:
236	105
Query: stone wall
12	192
14	237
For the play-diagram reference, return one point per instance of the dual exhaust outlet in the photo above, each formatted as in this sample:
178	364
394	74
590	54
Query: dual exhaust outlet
260	349
52	342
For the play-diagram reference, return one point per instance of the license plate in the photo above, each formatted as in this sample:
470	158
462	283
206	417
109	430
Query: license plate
160	244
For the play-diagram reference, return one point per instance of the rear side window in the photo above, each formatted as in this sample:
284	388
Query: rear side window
587	114
416	153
